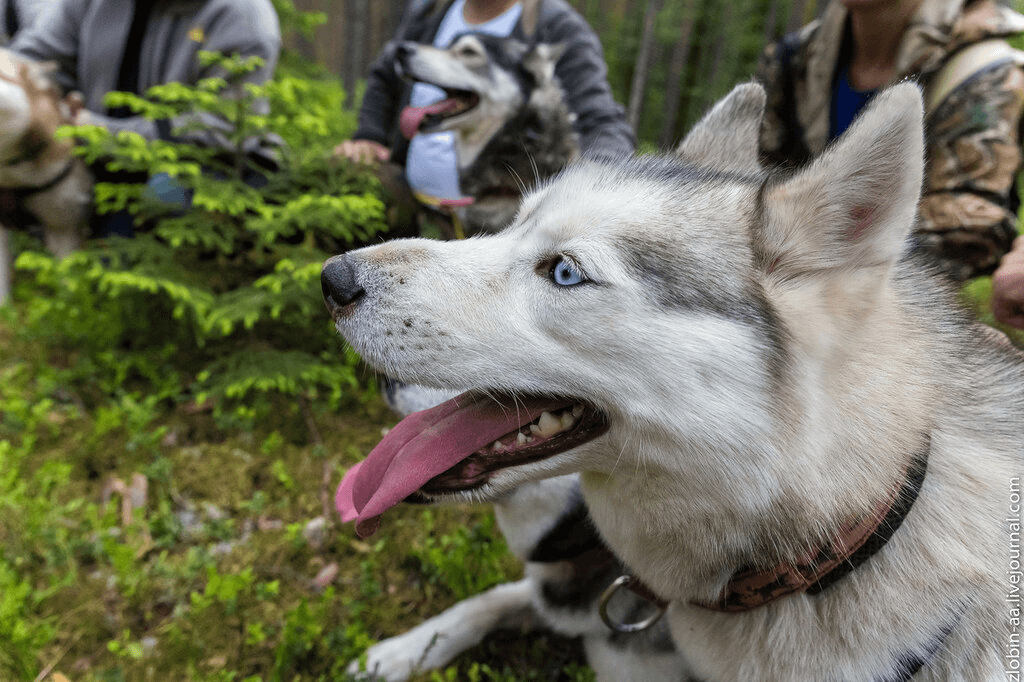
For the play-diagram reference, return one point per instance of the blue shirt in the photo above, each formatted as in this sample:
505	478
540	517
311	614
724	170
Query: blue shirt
846	103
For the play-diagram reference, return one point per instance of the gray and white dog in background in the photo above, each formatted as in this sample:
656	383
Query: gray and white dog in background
782	423
507	111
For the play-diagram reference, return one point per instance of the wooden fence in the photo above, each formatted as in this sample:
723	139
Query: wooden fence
668	59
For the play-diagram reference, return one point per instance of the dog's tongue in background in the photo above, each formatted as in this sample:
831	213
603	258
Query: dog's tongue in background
411	118
422	446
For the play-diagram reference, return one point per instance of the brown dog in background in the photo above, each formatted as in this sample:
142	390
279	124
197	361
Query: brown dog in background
42	182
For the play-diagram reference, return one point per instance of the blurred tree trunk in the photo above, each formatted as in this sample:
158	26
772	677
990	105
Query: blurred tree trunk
722	41
797	12
357	32
770	28
643	64
676	73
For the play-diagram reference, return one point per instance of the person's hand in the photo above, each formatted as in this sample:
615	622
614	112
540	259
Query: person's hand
74	104
363	151
1008	287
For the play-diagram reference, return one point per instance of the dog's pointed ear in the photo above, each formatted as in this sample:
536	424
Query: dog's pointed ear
727	137
540	61
854	206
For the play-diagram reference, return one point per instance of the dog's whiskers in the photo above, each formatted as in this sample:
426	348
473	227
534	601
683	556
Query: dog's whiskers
640	459
622	452
518	178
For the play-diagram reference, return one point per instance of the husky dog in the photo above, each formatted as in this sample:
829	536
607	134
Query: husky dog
782	423
42	182
508	114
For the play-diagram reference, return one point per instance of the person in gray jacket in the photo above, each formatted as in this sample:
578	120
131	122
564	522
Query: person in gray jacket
17	15
600	120
102	46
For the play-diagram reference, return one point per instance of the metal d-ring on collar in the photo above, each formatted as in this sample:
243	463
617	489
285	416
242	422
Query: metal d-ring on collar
631	583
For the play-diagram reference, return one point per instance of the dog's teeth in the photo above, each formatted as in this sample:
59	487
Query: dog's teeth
521	439
547	426
577	411
568	421
498	446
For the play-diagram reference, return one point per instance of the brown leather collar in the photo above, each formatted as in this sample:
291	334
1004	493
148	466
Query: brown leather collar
855	542
823	566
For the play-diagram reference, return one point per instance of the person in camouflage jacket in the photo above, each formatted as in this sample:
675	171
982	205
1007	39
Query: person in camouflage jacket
968	209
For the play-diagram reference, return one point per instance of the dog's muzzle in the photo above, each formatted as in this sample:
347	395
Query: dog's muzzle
339	284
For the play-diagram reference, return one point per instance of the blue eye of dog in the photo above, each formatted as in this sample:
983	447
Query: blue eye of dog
565	273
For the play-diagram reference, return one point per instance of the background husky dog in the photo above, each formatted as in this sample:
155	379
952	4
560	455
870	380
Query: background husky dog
42	182
757	381
508	113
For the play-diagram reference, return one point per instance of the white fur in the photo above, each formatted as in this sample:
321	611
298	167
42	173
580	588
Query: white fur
435	642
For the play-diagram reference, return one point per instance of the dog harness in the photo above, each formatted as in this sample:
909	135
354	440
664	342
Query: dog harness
13	213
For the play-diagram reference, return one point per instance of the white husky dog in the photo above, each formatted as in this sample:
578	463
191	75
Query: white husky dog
782	424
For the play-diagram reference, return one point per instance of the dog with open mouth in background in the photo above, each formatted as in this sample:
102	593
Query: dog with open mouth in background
42	182
783	424
511	125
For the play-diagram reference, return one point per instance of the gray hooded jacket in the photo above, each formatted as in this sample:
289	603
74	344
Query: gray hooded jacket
86	39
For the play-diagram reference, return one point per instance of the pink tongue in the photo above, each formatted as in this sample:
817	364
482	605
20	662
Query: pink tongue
423	445
411	118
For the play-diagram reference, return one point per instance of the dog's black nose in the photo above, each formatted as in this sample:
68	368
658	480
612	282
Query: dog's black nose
338	281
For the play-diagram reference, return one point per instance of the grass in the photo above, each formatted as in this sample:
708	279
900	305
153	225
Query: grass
229	565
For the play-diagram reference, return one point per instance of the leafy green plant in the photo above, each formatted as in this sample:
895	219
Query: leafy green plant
20	637
466	561
219	304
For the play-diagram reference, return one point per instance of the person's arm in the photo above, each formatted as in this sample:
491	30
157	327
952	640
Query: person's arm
379	109
773	129
581	71
29	11
53	37
974	156
378	112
